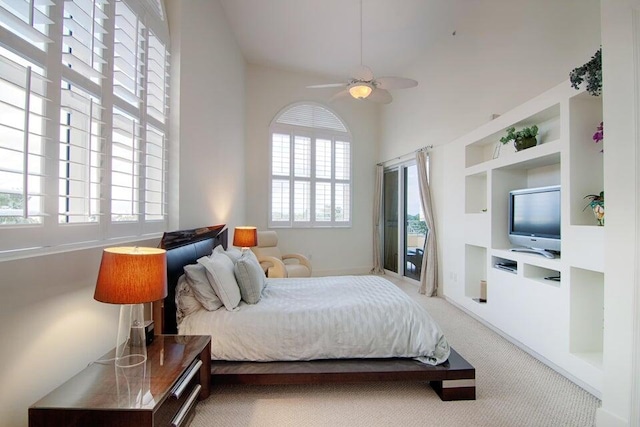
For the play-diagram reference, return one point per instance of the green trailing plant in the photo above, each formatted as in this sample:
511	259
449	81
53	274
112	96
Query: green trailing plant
525	133
591	72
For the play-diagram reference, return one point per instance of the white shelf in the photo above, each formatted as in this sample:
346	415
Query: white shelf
540	155
568	313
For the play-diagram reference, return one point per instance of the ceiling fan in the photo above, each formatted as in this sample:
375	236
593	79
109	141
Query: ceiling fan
363	84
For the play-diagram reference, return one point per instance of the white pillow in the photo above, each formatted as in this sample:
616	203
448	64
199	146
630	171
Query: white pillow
250	277
196	276
219	270
186	302
232	253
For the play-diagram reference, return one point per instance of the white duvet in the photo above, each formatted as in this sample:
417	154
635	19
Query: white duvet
322	318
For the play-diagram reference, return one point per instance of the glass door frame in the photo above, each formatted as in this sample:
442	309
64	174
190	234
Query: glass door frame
400	168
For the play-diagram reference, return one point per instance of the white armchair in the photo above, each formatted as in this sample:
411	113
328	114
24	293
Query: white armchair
274	263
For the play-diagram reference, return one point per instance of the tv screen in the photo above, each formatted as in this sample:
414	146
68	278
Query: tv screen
534	218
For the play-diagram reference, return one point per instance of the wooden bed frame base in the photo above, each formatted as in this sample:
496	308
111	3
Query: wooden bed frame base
452	380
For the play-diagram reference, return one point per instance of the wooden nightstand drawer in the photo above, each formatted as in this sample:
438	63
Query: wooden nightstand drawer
181	397
176	375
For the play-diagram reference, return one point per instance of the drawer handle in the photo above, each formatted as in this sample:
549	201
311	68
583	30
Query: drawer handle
177	392
180	416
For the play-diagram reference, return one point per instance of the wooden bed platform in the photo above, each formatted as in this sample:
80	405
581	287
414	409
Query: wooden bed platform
452	380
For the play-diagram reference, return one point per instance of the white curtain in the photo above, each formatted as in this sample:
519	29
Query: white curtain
377	222
429	275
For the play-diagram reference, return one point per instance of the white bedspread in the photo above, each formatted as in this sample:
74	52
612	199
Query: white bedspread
322	318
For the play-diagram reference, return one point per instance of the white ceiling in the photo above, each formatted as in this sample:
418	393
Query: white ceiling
323	36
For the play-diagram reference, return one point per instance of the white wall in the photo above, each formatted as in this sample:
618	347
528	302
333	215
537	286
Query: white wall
209	115
333	251
620	44
504	53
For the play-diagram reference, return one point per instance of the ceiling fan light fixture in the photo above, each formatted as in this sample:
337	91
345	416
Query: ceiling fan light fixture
360	90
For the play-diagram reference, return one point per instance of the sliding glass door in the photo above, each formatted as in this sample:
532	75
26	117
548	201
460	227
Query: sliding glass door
415	228
390	240
404	239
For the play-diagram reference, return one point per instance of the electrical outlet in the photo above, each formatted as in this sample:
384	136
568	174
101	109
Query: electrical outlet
310	257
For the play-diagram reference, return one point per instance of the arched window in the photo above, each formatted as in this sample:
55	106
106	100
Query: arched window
310	168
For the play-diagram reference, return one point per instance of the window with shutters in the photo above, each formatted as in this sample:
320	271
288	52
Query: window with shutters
310	183
83	122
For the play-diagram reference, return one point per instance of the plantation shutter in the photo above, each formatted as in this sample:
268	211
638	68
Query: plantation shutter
125	167
80	161
342	193
280	172
302	178
157	79
128	56
27	19
83	35
155	170
22	141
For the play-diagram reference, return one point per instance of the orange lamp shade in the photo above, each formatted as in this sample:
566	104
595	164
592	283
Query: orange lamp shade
245	237
132	275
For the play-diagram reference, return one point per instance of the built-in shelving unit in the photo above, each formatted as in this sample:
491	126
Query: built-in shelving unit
552	307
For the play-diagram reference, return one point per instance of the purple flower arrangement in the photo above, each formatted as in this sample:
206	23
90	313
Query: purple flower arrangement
597	137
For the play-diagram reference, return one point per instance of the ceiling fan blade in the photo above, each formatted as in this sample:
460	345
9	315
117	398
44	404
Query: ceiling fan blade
380	96
339	95
326	85
363	73
395	83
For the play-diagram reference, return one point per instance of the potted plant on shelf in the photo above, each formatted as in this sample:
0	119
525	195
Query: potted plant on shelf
591	72
524	138
596	203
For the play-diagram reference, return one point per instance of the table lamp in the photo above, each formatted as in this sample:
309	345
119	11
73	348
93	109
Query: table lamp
245	237
131	276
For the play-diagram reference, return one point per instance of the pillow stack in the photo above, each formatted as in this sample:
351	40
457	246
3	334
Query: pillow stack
223	278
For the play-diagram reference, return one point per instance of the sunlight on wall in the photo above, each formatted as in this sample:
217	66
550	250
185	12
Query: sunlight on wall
58	338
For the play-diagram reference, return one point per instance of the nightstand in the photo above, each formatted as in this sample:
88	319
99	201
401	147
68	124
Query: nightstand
162	392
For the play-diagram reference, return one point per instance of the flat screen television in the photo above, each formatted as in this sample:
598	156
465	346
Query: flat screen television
534	220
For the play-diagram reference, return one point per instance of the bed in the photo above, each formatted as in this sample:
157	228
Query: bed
453	379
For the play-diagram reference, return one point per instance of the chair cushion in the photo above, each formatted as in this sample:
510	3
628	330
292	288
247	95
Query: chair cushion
265	252
267	238
297	270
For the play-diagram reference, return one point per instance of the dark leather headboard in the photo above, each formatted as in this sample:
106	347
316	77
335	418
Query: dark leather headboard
177	258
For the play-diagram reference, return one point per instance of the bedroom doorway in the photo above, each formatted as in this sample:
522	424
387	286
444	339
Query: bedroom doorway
405	229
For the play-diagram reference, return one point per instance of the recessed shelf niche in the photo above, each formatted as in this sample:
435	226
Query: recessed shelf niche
490	147
541	274
475	269
476	193
586	157
586	315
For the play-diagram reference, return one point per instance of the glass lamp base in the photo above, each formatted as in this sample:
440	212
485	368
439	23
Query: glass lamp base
131	345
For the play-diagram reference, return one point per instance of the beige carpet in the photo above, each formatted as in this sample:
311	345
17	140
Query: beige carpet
513	389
